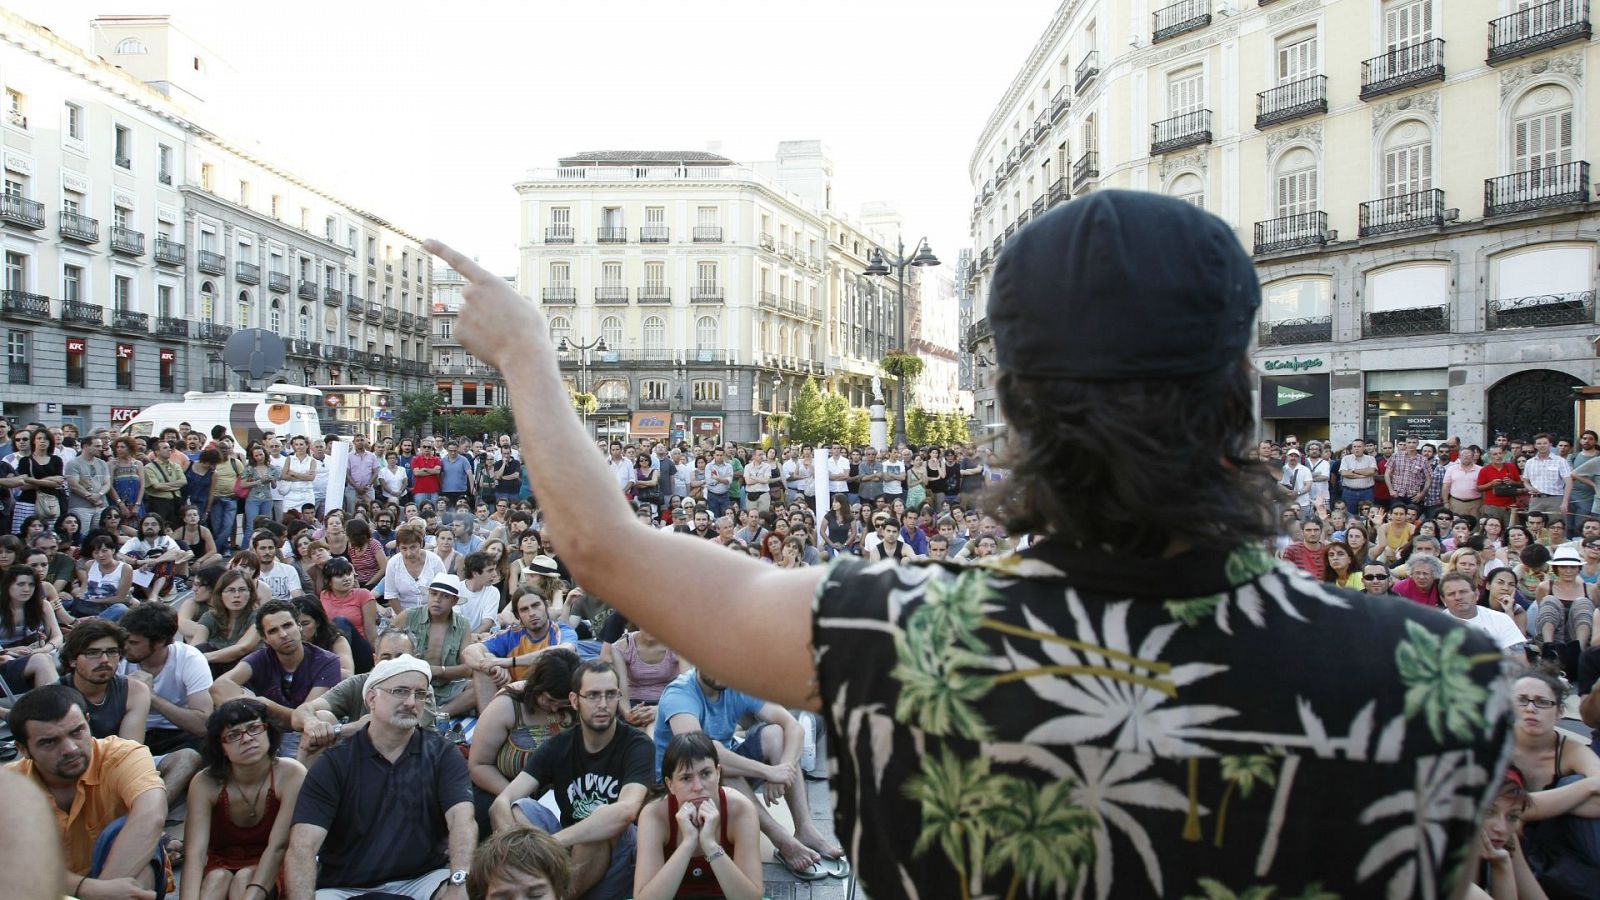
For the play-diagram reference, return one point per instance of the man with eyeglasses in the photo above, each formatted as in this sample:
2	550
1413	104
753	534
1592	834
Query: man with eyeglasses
1375	579
341	712
117	706
388	812
600	772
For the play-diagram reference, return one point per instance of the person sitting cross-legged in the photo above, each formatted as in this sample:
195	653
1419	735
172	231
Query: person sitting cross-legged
338	714
507	656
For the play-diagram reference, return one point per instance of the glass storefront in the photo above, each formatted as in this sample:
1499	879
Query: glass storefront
1408	403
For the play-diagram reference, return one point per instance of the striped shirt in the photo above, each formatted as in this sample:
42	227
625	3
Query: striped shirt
1406	475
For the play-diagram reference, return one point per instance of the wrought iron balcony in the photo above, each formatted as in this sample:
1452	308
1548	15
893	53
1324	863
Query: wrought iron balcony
1011	231
985	257
165	178
333	353
765	242
558	234
391	317
172	326
76	312
611	235
654	234
23	305
1548	310
1292	232
1311	330
307	290
1538	28
15	210
1295	100
278	282
1179	18
1406	322
1022	218
407	321
1536	189
171	253
19	372
79	227
1422	209
1058	192
129	322
1402	67
1084	75
1039	206
355	306
563	294
374	311
611	295
1179	132
1060	103
332	296
768	300
704	293
1085	170
127	241
246	273
123	162
212	263
299	347
655	294
708	234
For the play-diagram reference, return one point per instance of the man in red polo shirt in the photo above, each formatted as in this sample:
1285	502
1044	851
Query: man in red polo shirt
1498	472
425	474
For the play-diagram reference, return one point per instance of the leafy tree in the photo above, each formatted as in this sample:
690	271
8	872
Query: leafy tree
413	409
835	418
500	420
806	419
922	427
585	403
858	432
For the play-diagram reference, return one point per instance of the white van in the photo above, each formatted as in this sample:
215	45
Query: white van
283	409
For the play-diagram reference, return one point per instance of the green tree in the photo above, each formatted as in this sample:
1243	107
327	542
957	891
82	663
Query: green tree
922	427
807	415
1045	838
500	420
835	418
1243	773
956	797
954	429
413	409
859	428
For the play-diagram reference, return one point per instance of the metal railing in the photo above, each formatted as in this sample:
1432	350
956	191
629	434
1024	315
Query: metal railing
212	263
391	317
408	321
707	234
164	177
23	305
1291	232
705	293
1179	18
126	240
1287	102
172	326
354	305
655	295
1538	28
1536	189
1060	103
558	234
21	211
332	296
768	300
129	321
1576	308
249	273
1402	67
1086	169
1406	322
611	235
1087	69
1421	209
1187	130
1058	192
654	234
19	372
307	290
561	294
374	311
76	312
611	295
79	227
171	252
278	282
1310	330
765	242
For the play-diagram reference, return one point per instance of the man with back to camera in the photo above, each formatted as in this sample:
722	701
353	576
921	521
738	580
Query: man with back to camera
940	686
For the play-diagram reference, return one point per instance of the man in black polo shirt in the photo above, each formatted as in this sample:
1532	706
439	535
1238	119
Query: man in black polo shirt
376	811
601	772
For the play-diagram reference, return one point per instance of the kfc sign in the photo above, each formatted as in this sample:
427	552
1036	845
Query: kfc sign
123	414
75	345
169	356
124	351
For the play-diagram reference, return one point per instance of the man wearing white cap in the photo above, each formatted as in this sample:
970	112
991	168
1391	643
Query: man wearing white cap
1296	484
388	811
441	633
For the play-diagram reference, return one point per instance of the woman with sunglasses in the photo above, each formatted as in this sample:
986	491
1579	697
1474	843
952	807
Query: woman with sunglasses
241	806
1563	774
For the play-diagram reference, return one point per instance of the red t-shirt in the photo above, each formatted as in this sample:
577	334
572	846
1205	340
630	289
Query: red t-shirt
425	484
1495	473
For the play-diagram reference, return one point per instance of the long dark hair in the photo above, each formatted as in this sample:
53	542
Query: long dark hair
33	610
551	675
326	635
234	712
1082	454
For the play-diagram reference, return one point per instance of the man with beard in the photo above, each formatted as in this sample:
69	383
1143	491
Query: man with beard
601	772
341	712
388	811
506	657
109	802
284	674
176	673
153	555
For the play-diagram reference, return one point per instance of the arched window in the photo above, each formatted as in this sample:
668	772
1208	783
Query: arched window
303	327
131	47
612	392
705	333
1541	128
1295	183
785	341
244	308
611	332
275	318
1407	158
655	334
1189	188
560	329
208	301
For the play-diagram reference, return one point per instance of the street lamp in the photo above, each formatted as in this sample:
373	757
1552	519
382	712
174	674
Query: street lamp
565	347
877	267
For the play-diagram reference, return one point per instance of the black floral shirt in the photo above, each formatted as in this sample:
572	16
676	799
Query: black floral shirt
1068	724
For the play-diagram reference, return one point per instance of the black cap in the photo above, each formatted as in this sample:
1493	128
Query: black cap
1119	285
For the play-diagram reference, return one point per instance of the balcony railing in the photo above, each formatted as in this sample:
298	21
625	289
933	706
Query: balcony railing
1536	189
278	282
332	296
23	305
765	242
611	295
212	263
561	294
76	312
1538	28
1422	209
708	234
985	257
354	305
1550	309
165	178
705	294
214	332
1058	192
19	372
654	234
1406	322
123	162
1292	232
79	227
126	240
655	295
391	317
1401	68
1085	170
15	210
611	235
172	326
768	300
1039	206
1179	18
1312	330
1060	103
408	322
130	322
374	311
248	273
1188	130
1084	75
1295	100
558	234
307	290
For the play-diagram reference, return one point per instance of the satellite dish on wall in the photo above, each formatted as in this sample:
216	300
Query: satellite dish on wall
254	353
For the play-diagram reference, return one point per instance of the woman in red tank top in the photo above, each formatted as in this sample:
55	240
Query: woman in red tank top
240	806
699	840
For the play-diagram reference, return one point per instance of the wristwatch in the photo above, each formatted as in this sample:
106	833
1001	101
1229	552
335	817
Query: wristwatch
458	877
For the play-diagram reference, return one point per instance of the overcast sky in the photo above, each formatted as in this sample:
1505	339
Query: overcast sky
426	113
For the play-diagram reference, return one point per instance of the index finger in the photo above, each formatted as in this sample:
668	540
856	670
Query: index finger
457	260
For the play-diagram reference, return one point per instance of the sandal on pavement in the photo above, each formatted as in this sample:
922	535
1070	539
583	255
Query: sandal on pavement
837	867
814	872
